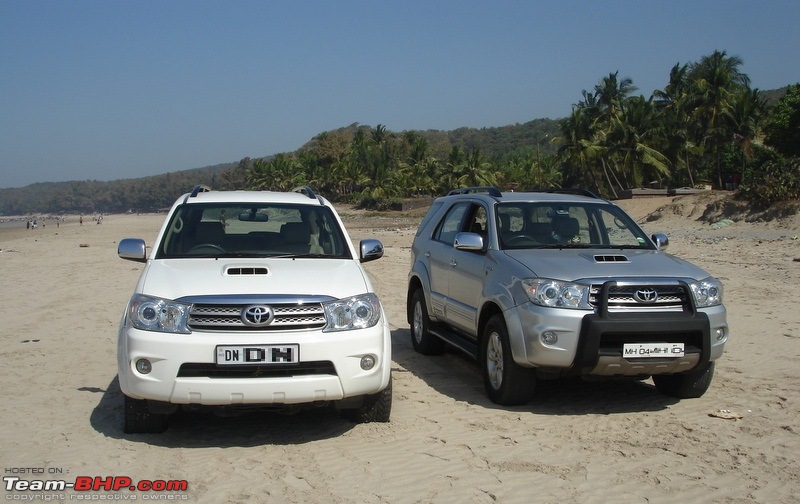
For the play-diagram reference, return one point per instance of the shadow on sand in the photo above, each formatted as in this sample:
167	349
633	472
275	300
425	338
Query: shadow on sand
200	429
458	376
451	374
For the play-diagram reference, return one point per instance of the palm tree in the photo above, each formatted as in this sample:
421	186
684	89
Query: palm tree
745	115
475	171
581	149
717	80
636	131
611	94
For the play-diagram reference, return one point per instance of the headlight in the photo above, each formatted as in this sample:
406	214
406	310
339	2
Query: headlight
156	314
707	292
557	294
357	312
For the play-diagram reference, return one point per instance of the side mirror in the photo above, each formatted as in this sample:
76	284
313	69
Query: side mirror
370	250
660	240
472	242
132	249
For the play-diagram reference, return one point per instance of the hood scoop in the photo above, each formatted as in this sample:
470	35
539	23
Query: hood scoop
610	258
246	271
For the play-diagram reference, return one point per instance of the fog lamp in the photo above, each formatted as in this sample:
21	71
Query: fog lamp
720	334
144	366
367	362
549	337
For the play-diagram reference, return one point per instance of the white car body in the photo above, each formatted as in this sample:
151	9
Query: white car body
333	365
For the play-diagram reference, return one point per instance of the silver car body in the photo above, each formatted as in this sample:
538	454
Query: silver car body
476	276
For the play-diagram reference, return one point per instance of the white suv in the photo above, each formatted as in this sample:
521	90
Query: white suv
253	298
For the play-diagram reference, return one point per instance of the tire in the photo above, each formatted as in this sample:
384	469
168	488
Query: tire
686	385
140	420
507	383
421	339
375	408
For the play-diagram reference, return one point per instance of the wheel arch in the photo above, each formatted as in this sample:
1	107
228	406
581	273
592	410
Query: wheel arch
488	310
417	280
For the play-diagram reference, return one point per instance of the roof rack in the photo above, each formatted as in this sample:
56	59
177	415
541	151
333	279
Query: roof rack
197	190
567	190
493	191
306	190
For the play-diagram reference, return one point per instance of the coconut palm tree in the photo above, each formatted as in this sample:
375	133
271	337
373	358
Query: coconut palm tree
745	114
717	80
635	133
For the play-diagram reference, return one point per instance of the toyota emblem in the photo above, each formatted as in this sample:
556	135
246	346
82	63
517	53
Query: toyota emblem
646	295
257	315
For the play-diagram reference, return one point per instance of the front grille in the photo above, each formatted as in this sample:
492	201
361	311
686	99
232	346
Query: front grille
203	370
622	298
217	317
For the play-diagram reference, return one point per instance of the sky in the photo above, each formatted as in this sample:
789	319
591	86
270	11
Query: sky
110	89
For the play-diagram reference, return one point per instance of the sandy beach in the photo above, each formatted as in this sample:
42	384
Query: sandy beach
64	289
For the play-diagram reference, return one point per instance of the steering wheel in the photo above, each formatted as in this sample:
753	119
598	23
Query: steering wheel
207	246
521	240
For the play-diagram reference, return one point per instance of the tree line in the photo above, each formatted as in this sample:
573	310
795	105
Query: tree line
707	126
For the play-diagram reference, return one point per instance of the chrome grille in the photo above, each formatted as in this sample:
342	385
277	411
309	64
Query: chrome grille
207	317
621	298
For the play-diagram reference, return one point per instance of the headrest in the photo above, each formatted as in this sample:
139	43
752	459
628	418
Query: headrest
565	227
295	233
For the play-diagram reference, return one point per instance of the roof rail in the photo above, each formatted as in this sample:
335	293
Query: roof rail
493	191
305	190
197	190
308	192
567	190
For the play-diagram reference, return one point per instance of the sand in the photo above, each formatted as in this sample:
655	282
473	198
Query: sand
64	290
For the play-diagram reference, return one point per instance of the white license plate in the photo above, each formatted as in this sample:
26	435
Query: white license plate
645	350
258	354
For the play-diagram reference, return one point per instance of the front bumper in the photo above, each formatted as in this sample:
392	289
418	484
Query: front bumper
184	369
591	343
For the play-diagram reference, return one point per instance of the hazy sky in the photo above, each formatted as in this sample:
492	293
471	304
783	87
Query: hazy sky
110	89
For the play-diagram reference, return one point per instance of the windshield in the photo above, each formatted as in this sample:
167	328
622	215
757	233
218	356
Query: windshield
253	230
561	225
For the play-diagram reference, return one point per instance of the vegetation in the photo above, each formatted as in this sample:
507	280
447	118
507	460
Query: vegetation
705	127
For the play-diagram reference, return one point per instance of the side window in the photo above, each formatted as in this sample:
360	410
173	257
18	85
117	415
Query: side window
451	224
477	221
429	215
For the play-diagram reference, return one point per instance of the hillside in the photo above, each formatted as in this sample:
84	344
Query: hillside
498	144
159	191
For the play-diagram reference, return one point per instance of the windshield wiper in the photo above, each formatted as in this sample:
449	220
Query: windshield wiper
561	246
240	254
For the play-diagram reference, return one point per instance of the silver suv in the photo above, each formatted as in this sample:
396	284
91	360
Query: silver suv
550	284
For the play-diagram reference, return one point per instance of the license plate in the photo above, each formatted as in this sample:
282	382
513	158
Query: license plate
258	354
645	350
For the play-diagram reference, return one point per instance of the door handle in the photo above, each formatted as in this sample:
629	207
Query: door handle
453	263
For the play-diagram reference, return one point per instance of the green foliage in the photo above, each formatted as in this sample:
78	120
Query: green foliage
777	180
783	126
705	125
145	194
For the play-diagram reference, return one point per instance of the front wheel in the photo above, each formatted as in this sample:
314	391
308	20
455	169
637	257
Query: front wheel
506	382
375	408
140	420
686	385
